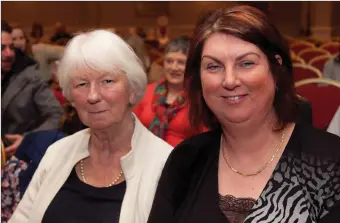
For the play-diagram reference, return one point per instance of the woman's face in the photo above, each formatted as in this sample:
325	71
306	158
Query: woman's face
174	66
19	39
100	99
237	83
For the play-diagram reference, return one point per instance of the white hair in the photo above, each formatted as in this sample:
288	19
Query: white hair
105	52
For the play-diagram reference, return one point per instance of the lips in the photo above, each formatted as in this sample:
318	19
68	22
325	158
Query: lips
234	99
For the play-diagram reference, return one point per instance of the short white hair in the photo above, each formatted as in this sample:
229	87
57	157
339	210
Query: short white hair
101	51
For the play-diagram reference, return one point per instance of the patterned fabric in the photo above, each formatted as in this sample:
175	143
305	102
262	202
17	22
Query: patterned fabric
164	112
235	209
301	189
10	192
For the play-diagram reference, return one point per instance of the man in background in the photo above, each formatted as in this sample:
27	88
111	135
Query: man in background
27	103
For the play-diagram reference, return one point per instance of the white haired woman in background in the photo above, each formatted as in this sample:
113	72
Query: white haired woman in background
109	172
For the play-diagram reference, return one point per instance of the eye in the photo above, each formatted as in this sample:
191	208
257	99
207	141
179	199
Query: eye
181	62
81	85
108	81
169	61
214	68
247	64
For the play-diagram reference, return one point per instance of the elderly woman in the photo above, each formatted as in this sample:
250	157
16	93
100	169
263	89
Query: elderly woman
257	164
108	172
164	108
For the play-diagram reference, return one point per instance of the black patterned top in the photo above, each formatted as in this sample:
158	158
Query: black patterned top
303	188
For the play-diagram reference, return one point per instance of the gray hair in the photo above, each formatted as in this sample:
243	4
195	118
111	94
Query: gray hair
180	44
102	51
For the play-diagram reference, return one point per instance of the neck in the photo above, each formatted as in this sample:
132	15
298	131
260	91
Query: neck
174	88
251	138
112	143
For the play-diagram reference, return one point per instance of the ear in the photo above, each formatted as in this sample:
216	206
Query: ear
279	59
132	99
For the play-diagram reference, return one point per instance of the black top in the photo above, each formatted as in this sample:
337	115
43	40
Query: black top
77	202
304	187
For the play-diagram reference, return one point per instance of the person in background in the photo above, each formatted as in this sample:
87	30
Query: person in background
137	44
257	164
332	68
27	103
20	168
61	36
54	84
109	171
164	108
334	125
20	40
37	33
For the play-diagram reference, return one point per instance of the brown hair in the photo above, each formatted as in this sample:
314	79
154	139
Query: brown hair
251	25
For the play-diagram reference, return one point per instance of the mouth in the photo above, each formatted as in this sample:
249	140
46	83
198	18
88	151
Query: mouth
96	112
235	99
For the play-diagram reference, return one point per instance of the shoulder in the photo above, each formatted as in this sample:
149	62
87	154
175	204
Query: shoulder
33	75
151	88
156	149
67	145
317	142
194	151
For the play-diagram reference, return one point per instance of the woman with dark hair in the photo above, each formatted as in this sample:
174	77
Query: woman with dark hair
164	108
257	164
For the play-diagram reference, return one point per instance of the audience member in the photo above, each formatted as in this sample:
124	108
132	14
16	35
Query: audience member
21	167
332	68
151	39
61	36
257	165
334	126
37	33
27	104
164	108
81	178
54	84
137	44
45	54
20	40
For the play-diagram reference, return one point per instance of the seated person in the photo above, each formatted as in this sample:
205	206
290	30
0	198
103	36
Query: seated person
28	104
164	108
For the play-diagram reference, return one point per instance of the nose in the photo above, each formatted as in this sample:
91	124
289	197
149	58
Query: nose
8	52
231	80
94	95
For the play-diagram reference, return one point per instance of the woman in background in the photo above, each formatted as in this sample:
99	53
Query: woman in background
164	108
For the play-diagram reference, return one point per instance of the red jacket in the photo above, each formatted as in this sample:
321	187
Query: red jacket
179	127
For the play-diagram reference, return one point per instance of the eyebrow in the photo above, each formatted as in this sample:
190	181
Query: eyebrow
237	58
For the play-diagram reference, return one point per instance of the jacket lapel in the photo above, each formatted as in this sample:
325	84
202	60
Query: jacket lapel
16	85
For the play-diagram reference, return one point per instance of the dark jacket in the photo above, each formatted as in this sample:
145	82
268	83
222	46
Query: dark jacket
27	103
306	186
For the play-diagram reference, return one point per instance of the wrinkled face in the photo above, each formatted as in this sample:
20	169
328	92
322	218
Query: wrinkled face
7	52
19	39
174	66
237	83
101	100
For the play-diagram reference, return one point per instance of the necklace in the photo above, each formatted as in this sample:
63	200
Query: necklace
84	180
261	169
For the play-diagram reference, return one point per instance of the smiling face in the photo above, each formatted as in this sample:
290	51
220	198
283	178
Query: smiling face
7	52
174	66
237	83
101	100
19	39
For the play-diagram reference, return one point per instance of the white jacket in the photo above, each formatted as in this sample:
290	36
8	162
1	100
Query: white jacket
142	167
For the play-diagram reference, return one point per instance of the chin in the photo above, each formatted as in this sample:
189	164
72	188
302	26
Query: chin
236	118
175	81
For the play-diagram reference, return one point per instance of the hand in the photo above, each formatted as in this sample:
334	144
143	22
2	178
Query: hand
16	139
